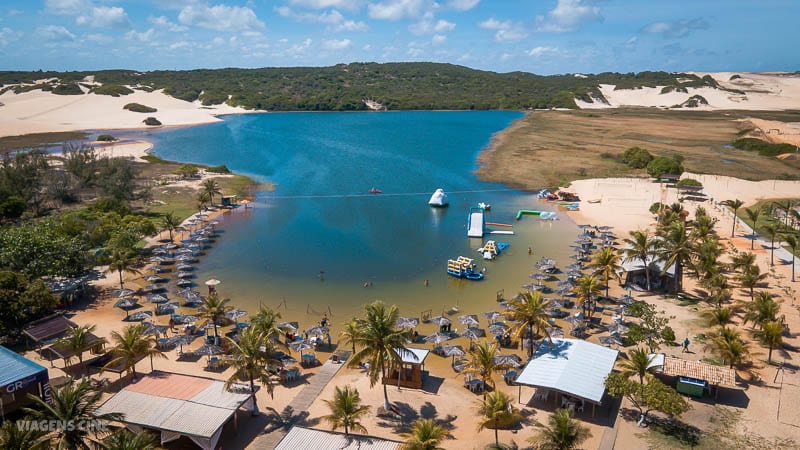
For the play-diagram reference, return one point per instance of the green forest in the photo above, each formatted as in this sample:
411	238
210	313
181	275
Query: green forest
398	86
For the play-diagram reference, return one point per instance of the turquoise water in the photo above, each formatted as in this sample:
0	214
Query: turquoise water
312	243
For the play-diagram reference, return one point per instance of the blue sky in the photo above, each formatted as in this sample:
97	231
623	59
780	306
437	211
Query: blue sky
540	36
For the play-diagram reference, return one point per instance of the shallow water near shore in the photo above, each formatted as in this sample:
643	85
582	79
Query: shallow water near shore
310	246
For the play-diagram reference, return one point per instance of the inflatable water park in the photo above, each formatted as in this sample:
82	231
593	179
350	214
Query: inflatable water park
463	267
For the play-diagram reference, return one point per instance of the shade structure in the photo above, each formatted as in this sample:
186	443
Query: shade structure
157	259
584	226
300	346
126	303
157	298
139	316
509	360
492	315
407	322
153	287
183	267
437	338
555	332
604	228
468	319
504	304
188	293
170	246
570	366
159	251
313	439
180	340
185	258
151	328
453	350
212	282
497	328
209	350
184	250
154	279
120	293
439	320
235	314
472	333
185	275
317	330
287	326
183	283
186	319
612	339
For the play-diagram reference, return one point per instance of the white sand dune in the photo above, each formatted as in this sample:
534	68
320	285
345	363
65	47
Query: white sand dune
762	91
40	112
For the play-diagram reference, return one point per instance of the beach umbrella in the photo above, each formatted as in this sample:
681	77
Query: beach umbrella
180	340
170	246
212	282
186	293
492	315
531	286
509	360
209	350
317	330
439	320
575	266
468	319
611	340
139	316
200	239
156	298
235	314
126	303
184	283
471	333
186	319
453	351
166	308
300	346
287	326
154	278
153	287
437	338
159	251
497	328
183	267
583	226
604	228
184	250
407	322
151	328
575	319
504	304
157	259
184	258
185	274
120	293
555	333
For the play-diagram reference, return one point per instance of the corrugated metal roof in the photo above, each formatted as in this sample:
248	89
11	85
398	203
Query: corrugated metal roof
700	371
201	415
572	366
15	367
311	439
416	355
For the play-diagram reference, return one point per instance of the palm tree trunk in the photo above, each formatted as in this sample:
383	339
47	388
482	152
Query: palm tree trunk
254	412
647	274
496	437
769	355
530	348
772	251
121	287
733	227
386	405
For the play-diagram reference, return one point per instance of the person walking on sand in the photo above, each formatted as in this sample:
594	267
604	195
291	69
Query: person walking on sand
685	345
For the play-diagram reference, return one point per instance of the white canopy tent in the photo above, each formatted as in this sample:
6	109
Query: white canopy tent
570	366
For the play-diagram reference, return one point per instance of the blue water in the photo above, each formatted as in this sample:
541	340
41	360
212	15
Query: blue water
320	217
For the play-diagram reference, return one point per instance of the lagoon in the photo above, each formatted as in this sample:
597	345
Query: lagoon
309	246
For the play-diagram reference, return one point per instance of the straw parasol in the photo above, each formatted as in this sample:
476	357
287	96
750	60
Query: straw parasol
235	314
498	328
183	267
151	328
187	319
492	315
317	330
437	338
139	316
120	293
185	274
154	279
287	326
468	319
471	333
300	346
439	320
453	351
407	322
209	350
157	298
509	360
184	282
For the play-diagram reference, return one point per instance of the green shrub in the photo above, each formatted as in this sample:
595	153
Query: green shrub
662	164
155	159
67	89
637	157
138	107
668	335
152	121
219	169
657	207
106	138
762	147
186	170
114	90
688	182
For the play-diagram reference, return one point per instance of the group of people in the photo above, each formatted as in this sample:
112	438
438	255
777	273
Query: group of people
445	328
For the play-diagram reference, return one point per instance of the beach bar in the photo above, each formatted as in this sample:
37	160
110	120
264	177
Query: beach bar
312	439
693	377
177	405
20	376
409	373
572	367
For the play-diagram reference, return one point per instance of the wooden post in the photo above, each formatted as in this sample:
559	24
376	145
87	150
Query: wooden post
593	406
520	394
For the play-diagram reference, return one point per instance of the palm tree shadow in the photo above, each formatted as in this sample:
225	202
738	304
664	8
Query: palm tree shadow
405	415
286	419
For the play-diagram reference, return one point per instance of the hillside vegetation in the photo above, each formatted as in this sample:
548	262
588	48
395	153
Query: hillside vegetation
408	86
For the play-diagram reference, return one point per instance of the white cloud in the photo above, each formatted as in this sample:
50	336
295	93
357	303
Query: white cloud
426	25
7	35
438	40
350	25
504	31
538	52
349	5
221	17
394	9
99	38
164	23
505	56
218	41
676	28
179	45
333	18
569	15
54	33
366	47
415	52
336	44
462	5
105	17
66	7
146	36
299	49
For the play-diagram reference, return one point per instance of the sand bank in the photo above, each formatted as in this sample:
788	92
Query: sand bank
42	112
125	149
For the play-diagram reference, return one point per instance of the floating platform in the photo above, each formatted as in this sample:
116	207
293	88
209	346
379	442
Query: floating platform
547	215
475	223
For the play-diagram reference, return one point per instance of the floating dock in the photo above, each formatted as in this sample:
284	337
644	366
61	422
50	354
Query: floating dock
475	223
542	214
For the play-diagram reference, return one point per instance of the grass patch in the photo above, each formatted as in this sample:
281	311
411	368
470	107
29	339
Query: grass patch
114	90
9	143
182	201
140	108
763	148
766	205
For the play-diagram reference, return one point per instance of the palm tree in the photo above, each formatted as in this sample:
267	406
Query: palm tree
79	339
346	409
706	257
637	363
169	222
125	440
251	359
734	205
122	261
202	199
15	437
786	208
529	311
266	322
425	434
497	409
350	333
131	346
483	363
751	277
562	432
73	403
642	247
381	342
742	261
586	292
675	249
753	214
606	262
210	187
729	346
762	309
771	229
771	336
718	316
791	241
213	308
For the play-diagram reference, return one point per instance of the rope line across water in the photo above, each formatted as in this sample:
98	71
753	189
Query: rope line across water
400	194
